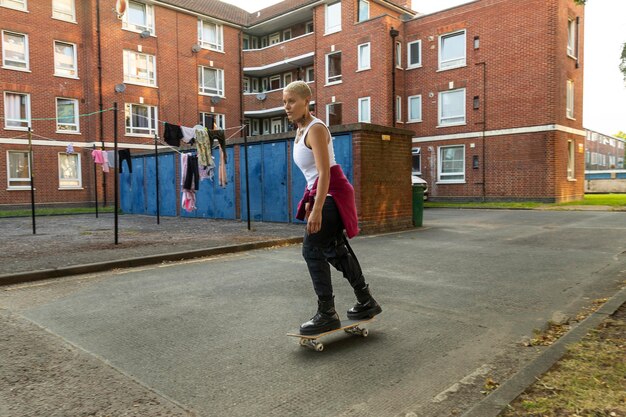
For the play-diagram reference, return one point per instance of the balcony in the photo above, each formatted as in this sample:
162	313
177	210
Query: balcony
266	104
280	57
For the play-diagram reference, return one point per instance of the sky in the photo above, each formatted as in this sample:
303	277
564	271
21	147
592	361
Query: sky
604	96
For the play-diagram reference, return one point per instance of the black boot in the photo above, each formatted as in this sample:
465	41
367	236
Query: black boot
366	307
325	320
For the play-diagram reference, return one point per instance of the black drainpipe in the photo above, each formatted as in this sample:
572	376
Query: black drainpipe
394	33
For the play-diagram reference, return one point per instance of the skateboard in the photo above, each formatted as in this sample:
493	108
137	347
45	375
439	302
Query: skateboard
349	326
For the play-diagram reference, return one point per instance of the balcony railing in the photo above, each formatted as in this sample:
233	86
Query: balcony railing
268	103
297	51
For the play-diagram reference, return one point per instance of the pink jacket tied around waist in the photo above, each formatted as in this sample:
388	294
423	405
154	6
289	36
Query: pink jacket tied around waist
342	192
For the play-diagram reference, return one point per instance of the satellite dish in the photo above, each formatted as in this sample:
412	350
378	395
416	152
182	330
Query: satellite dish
215	99
120	7
145	34
120	88
196	48
261	96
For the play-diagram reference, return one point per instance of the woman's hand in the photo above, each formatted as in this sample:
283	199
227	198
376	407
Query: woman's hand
314	222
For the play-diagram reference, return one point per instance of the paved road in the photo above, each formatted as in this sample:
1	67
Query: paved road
458	295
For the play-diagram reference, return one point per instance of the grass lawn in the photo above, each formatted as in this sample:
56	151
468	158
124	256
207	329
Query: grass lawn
612	200
54	211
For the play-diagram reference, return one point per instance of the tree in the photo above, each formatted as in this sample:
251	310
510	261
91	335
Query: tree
620	135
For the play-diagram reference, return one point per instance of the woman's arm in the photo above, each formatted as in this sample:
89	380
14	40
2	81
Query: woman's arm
317	139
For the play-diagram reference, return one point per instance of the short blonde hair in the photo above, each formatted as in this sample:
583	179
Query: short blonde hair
300	88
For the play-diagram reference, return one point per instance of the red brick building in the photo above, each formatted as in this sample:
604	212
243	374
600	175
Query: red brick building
492	89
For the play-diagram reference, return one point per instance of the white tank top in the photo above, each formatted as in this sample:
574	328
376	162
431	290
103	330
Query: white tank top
303	156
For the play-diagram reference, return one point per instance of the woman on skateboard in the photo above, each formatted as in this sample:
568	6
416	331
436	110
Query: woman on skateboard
329	208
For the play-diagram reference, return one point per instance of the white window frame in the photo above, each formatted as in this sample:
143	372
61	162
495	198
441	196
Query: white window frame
416	152
365	118
307	26
27	120
328	112
149	19
569	100
287	35
359	3
571	37
255	126
361	64
274	38
309	71
9	179
441	176
76	124
398	54
139	131
130	71
410	101
246	84
440	120
399	109
204	91
286	76
218	118
266	126
57	70
26	52
571	160
218	45
272	79
455	62
11	4
78	178
62	15
276	122
337	79
336	27
409	56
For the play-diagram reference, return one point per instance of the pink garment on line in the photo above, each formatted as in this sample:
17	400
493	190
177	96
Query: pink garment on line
105	161
97	156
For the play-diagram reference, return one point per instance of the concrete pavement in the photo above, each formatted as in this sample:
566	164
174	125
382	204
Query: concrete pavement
458	295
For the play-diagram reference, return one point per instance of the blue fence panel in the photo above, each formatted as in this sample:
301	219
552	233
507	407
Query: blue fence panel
599	176
255	179
620	175
343	154
167	185
224	197
126	192
138	187
275	190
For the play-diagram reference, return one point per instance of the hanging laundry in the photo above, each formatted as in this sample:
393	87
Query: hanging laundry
218	135
207	173
204	146
105	162
189	172
97	156
189	134
69	149
172	134
111	158
124	155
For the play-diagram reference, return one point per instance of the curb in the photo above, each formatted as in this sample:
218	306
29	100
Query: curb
496	402
29	276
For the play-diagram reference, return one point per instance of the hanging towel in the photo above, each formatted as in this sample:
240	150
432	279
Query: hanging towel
97	156
111	158
105	162
189	133
218	135
204	146
172	134
69	149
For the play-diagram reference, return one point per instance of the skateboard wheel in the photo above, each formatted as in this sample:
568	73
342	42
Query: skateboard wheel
365	333
319	347
303	342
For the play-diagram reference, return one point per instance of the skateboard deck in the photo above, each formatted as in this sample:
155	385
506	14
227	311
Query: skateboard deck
349	326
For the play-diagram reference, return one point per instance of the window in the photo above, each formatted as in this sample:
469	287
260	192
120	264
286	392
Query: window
210	35
287	79
364	56
15	50
140	120
364	110
570	99
274	38
255	85
266	126
417	161
18	167
64	10
211	81
310	74
213	120
333	68
452	107
398	109
14	4
139	17
286	34
451	167
275	82
333	17
67	115
364	10
16	111
333	114
69	170
255	126
245	42
309	27
139	68
277	125
452	50
398	55
571	38
246	84
414	54
415	108
571	159
65	60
